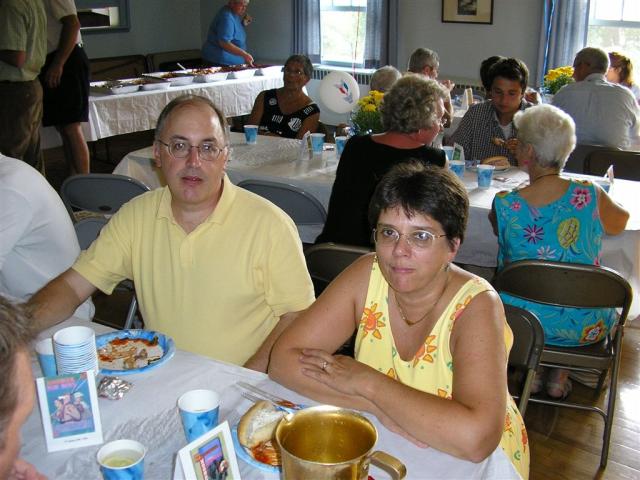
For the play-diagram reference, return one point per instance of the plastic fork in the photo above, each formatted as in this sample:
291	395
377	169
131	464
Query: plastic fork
258	394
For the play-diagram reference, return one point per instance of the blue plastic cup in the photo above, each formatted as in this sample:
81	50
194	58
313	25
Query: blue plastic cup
457	167
122	460
340	143
448	152
46	357
317	143
485	174
251	134
199	412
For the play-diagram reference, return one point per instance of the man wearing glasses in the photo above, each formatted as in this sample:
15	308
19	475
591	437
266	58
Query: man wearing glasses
215	267
427	63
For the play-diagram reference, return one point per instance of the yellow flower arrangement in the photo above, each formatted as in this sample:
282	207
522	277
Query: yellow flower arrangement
557	78
366	119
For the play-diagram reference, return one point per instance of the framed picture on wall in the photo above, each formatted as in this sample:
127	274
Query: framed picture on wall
467	11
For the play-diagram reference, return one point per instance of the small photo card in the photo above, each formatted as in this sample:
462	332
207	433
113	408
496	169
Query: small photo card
211	457
69	409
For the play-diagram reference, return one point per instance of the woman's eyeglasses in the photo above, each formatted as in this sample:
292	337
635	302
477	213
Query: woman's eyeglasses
421	239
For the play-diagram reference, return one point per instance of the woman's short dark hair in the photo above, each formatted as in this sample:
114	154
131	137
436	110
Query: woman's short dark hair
423	190
307	66
511	69
16	334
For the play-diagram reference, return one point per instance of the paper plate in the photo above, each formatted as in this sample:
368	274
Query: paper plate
167	344
244	454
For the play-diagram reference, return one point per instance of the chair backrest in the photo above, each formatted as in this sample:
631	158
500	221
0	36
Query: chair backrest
625	164
528	344
300	205
528	338
576	161
102	193
325	261
566	284
88	229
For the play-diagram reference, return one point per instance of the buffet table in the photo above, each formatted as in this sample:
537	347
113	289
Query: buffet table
111	115
148	413
279	160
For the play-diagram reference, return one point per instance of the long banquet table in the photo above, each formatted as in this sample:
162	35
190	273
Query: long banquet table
148	413
279	160
111	115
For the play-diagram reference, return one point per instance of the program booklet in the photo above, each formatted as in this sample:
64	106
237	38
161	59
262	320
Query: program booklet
69	410
211	457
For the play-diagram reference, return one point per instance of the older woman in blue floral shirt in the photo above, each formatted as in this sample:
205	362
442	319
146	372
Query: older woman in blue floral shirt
559	219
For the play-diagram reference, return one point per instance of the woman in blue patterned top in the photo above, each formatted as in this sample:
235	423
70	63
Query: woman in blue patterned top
558	219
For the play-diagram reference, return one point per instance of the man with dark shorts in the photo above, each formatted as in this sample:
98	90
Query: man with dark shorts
22	52
65	82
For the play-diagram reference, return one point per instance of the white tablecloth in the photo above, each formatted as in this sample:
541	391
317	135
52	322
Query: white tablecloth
135	112
148	413
277	159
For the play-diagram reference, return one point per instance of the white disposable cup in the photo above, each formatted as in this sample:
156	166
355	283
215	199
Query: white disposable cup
127	448
251	134
485	174
448	152
46	357
199	410
317	143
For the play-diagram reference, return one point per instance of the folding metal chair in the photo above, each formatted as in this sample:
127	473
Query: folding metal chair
325	261
528	342
300	205
625	164
101	193
581	286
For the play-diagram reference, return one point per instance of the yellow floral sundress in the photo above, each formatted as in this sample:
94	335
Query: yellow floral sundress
431	370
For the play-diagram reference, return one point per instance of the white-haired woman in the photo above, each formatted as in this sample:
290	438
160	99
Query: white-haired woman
558	219
412	114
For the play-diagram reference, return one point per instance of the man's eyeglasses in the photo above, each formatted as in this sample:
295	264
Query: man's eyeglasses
207	151
421	239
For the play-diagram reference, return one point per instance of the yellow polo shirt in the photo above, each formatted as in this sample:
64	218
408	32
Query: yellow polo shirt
217	291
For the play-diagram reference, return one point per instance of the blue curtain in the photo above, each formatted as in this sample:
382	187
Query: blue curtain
565	24
376	53
306	28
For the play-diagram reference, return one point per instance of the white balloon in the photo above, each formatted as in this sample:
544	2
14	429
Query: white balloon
339	91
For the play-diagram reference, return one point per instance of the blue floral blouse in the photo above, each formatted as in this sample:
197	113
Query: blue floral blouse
567	230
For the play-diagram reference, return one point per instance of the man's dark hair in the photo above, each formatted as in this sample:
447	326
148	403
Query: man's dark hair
511	69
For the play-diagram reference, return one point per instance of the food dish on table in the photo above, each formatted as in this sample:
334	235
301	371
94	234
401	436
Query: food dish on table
116	87
133	351
174	78
255	435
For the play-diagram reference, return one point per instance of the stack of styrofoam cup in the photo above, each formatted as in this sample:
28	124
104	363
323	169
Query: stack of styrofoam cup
75	350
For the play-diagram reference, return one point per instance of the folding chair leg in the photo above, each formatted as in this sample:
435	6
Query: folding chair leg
133	308
613	392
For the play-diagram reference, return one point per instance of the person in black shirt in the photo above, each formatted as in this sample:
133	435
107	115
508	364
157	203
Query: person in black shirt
412	113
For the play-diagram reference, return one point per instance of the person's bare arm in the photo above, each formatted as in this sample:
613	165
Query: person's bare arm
235	50
612	215
260	360
257	110
13	57
57	300
66	44
310	124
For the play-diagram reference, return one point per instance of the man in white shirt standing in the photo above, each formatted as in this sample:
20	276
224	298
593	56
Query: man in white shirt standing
605	113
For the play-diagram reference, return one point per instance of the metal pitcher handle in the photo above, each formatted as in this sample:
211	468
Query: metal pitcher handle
389	464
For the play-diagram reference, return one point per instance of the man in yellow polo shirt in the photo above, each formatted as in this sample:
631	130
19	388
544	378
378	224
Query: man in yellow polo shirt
215	267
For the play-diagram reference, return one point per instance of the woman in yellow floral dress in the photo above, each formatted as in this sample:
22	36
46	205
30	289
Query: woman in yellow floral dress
432	342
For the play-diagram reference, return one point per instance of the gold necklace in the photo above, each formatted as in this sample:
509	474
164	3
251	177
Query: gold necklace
545	175
401	310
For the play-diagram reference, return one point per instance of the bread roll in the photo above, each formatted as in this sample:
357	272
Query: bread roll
498	161
259	424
